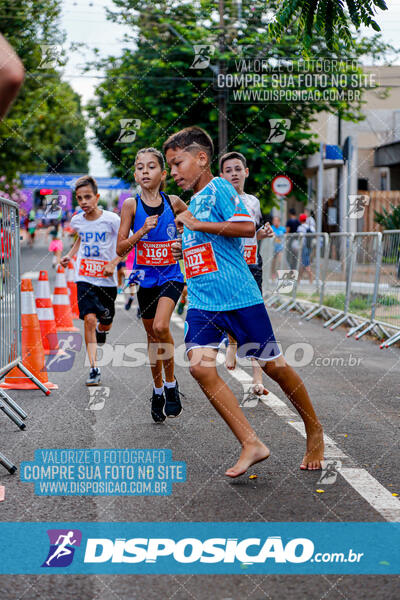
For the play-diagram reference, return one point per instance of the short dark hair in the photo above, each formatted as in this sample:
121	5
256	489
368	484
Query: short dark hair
190	139
87	180
229	156
292	211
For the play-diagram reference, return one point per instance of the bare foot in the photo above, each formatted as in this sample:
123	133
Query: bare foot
230	360
260	390
315	451
250	455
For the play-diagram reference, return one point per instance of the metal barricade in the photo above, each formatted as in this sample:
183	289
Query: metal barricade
338	275
310	294
364	282
10	313
387	313
280	270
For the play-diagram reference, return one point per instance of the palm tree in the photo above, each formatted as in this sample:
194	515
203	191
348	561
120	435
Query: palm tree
331	18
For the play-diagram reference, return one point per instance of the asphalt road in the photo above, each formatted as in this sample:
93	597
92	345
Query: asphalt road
357	399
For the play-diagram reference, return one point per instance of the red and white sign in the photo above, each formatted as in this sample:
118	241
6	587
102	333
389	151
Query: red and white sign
282	185
199	260
154	254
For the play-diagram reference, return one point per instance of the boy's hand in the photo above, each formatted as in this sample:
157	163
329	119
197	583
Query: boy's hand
64	262
186	218
109	269
176	249
266	232
150	223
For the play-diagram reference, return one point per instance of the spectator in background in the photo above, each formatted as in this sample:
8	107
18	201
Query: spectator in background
31	227
310	220
11	76
306	250
279	232
292	224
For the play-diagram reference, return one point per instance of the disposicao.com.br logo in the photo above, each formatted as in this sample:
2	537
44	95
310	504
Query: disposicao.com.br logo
188	550
200	547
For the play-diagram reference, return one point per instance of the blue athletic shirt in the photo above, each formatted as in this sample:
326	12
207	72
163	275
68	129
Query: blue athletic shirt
232	286
151	276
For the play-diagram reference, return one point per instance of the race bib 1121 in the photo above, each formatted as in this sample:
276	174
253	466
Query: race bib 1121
199	260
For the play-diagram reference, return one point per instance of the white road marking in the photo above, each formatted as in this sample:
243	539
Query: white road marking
359	479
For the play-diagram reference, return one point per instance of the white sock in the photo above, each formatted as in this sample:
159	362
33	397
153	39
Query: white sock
158	390
170	384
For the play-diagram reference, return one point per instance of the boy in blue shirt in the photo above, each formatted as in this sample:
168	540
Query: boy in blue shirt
223	296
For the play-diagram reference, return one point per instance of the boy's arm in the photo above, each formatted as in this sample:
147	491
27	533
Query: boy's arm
66	259
225	228
11	76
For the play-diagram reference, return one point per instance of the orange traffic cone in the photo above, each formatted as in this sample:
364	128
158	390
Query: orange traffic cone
45	313
61	304
32	347
73	291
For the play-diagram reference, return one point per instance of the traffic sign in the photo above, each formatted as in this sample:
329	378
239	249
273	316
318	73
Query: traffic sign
282	185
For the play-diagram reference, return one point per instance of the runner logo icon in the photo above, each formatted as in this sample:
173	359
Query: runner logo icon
62	547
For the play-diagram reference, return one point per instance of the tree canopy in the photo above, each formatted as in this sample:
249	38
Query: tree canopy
158	84
45	129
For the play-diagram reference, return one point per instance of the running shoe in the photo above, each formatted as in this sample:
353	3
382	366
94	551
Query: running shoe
157	407
101	337
173	405
180	308
94	376
129	304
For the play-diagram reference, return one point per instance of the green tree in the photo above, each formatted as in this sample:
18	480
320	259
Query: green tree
154	83
331	18
47	111
389	219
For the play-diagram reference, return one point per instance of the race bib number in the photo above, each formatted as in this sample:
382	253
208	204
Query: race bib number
92	268
199	260
250	254
155	254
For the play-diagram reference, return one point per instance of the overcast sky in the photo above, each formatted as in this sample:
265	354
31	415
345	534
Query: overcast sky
85	21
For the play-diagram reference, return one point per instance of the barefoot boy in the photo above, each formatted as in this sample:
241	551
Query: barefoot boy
223	296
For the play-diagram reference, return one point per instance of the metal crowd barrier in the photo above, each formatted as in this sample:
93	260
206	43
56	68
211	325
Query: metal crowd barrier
356	280
387	314
10	313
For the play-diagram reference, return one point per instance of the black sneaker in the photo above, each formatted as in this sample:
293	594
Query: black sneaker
94	376
128	304
101	337
173	405
157	407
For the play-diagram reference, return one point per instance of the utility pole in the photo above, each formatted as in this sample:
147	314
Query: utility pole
222	93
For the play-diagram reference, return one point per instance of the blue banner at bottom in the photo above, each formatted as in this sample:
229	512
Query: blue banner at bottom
200	548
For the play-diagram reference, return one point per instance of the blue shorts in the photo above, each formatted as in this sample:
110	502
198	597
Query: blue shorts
249	326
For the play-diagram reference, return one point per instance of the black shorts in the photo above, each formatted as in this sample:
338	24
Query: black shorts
148	297
256	271
96	299
121	265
